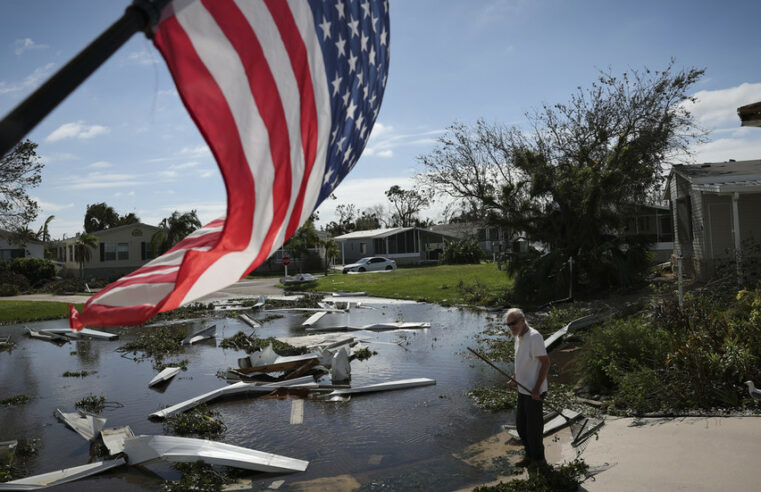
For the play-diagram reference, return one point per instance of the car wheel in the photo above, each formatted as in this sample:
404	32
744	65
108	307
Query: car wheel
346	271
361	269
389	267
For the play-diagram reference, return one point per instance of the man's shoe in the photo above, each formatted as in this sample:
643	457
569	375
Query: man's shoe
525	462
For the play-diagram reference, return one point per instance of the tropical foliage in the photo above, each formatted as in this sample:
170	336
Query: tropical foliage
174	229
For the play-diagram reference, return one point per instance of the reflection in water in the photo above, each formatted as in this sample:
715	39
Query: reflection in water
395	439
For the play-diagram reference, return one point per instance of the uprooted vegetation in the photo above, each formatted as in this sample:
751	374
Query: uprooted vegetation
12	465
156	343
670	359
16	400
200	422
96	403
250	343
196	476
303	301
77	374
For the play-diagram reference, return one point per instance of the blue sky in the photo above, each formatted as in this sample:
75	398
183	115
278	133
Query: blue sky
124	137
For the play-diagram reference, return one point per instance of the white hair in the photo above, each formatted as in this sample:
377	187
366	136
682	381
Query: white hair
517	311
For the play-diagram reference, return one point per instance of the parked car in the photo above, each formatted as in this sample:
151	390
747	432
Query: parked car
370	264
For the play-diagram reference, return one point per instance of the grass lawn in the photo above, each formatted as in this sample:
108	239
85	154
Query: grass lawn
20	311
443	284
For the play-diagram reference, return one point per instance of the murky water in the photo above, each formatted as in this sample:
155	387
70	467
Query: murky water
404	439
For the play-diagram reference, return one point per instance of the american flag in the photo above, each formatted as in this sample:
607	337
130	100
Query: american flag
285	94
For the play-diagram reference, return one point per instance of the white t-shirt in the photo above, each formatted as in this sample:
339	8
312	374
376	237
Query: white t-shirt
527	350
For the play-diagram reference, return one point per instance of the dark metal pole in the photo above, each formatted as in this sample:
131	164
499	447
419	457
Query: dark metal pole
140	15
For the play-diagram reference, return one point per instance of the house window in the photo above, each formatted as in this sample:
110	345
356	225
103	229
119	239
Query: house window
122	251
363	248
71	252
109	251
146	252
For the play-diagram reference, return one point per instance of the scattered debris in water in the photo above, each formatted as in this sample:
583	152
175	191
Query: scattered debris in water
16	400
250	343
156	343
196	476
363	353
494	399
96	404
304	301
78	374
200	422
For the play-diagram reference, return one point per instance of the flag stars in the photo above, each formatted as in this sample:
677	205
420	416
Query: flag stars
371	55
336	84
363	41
373	21
328	176
384	37
346	96
352	64
351	110
363	132
353	26
340	9
325	26
341	46
358	122
365	90
365	9
360	78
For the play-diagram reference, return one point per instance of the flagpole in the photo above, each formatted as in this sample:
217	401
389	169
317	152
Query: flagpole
138	16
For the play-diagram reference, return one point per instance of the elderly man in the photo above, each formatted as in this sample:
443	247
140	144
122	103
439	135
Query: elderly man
531	367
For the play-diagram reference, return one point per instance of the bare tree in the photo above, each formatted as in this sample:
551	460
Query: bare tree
407	204
20	170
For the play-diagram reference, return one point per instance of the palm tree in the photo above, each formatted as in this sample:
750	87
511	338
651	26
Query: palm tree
174	229
82	251
331	252
43	234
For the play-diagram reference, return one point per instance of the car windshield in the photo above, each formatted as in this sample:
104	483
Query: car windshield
364	260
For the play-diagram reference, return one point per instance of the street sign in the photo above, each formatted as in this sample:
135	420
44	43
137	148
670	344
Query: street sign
286	260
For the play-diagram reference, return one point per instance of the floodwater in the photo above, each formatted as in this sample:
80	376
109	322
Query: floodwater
397	440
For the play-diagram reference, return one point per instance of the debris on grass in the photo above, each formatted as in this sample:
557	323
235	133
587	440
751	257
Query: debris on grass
560	478
77	374
200	422
16	400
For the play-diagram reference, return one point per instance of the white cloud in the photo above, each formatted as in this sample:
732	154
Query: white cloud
718	108
22	45
186	165
98	180
384	139
48	207
58	157
76	129
31	81
168	174
723	149
100	165
144	57
119	193
207	174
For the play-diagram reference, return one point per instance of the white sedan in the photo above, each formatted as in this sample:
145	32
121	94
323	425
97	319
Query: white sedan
370	264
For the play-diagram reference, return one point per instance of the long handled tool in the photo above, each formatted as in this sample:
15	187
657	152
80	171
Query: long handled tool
483	358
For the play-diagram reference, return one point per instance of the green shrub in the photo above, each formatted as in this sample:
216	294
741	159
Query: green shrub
7	277
462	252
7	290
641	391
36	270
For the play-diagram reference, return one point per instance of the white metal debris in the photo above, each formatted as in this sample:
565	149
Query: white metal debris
50	337
85	424
388	386
341	293
144	449
61	476
114	437
391	325
87	332
241	387
165	375
200	335
297	412
249	321
340	369
263	357
314	318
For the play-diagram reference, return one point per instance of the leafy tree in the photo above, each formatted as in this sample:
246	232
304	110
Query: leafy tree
407	204
304	238
464	251
20	170
567	180
331	252
174	229
346	215
100	216
82	254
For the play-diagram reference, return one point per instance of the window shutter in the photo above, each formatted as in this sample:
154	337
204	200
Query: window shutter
102	251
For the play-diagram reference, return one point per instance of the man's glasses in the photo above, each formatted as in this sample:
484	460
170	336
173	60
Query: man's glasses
514	322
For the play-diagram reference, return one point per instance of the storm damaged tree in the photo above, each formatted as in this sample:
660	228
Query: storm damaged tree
407	204
100	216
567	180
20	170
